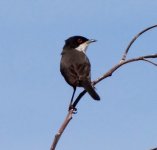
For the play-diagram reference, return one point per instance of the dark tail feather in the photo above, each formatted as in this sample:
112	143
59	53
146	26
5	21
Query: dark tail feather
88	87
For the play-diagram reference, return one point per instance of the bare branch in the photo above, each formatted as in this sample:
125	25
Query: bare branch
121	63
109	73
155	64
133	40
61	130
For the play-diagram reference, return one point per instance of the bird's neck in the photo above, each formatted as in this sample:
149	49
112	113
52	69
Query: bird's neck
82	48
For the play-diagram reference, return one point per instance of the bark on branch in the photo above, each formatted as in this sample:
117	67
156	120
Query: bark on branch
109	73
61	130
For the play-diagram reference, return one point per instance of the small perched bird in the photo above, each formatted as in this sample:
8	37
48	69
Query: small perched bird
75	66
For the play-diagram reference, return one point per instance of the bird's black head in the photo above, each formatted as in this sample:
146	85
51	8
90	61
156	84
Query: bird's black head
75	41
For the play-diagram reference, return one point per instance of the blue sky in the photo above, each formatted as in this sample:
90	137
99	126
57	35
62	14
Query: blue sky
34	96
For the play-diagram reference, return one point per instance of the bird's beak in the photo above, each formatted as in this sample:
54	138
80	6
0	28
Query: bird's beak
91	41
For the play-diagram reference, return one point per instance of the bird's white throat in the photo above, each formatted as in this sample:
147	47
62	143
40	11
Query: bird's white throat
82	48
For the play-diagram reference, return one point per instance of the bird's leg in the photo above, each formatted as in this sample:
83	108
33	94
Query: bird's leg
73	95
71	101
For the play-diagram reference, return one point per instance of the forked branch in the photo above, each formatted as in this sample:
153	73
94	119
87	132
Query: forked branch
109	73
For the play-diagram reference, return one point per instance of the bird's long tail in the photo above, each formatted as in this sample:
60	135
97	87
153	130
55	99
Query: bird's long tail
88	87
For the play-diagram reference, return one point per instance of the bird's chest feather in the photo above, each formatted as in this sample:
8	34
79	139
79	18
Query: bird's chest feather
76	66
75	58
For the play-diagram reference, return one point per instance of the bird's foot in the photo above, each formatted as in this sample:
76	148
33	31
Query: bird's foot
71	107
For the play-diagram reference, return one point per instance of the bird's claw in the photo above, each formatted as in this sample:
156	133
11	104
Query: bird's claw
71	107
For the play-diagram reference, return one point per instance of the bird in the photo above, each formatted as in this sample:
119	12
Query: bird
75	65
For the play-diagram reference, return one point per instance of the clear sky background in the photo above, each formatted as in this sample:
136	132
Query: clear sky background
34	96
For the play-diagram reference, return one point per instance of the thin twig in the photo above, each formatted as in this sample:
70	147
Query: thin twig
155	64
79	97
61	130
112	70
133	40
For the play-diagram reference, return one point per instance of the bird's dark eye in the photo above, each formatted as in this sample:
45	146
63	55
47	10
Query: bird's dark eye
79	41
